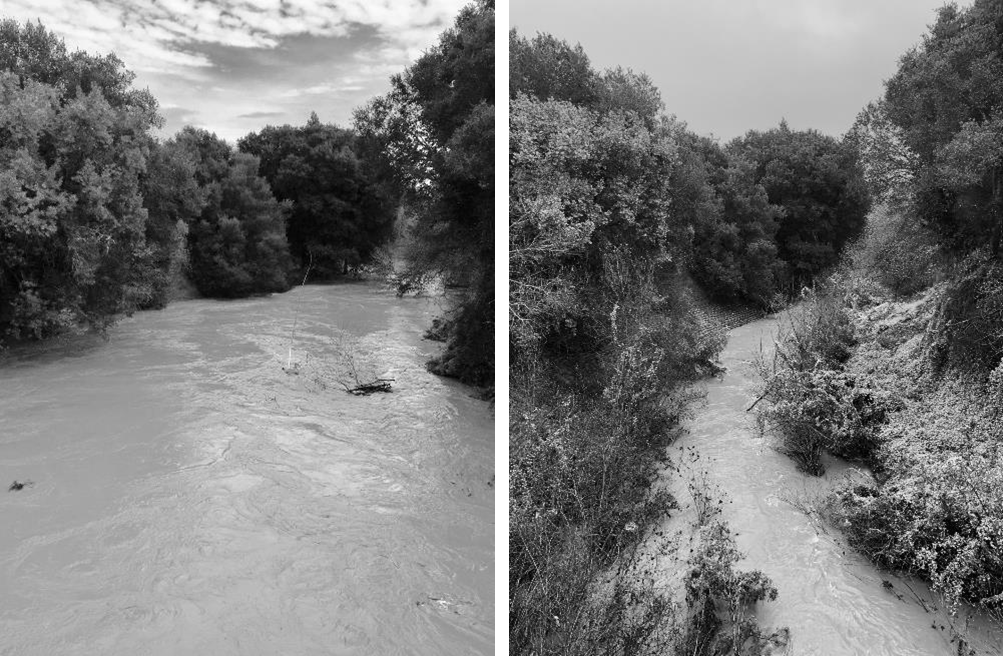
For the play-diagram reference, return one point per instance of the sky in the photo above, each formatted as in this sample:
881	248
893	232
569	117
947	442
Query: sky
234	66
729	66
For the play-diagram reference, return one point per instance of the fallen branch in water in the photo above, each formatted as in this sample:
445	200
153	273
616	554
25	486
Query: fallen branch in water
364	389
761	397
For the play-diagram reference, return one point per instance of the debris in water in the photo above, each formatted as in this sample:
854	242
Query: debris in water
445	605
17	486
365	389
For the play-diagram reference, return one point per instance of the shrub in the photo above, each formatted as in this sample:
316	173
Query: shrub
714	588
588	437
813	404
896	251
939	513
969	325
579	474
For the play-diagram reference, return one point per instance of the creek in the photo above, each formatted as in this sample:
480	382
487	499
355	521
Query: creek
201	483
832	599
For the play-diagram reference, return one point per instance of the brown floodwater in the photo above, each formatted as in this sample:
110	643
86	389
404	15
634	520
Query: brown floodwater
833	600
202	484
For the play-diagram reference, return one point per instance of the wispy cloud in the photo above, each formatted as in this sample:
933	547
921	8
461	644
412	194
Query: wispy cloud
224	59
261	115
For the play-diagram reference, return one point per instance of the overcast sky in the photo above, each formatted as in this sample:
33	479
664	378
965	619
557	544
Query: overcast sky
727	66
234	66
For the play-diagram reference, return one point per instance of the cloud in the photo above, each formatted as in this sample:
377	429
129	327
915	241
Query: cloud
262	115
175	114
231	65
165	35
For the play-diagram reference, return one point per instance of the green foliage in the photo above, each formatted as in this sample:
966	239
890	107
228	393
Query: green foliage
811	401
339	214
890	166
944	101
582	189
715	588
74	140
432	138
896	251
173	200
969	329
734	252
580	467
238	242
547	68
939	511
818	183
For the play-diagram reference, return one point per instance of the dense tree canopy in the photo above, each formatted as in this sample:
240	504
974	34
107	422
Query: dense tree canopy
432	136
74	140
238	242
818	183
945	102
734	225
173	200
339	213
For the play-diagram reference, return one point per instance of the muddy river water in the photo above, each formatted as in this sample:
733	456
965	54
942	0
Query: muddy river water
834	602
201	483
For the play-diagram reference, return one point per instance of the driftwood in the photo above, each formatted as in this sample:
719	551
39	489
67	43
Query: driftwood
761	397
364	389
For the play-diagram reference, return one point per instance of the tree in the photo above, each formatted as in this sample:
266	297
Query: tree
340	213
945	101
173	200
74	139
547	68
818	182
432	138
734	254
238	242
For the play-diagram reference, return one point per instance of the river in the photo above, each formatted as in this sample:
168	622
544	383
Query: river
202	484
834	602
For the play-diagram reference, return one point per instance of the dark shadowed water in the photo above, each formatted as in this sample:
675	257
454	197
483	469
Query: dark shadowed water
832	599
204	485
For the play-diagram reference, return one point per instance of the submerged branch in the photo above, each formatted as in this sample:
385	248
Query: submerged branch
364	389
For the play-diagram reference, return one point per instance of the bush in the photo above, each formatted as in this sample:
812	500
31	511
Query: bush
969	325
939	513
580	474
714	588
896	251
588	437
814	405
469	335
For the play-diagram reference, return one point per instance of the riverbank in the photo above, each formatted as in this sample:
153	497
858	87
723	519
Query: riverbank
861	373
832	599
